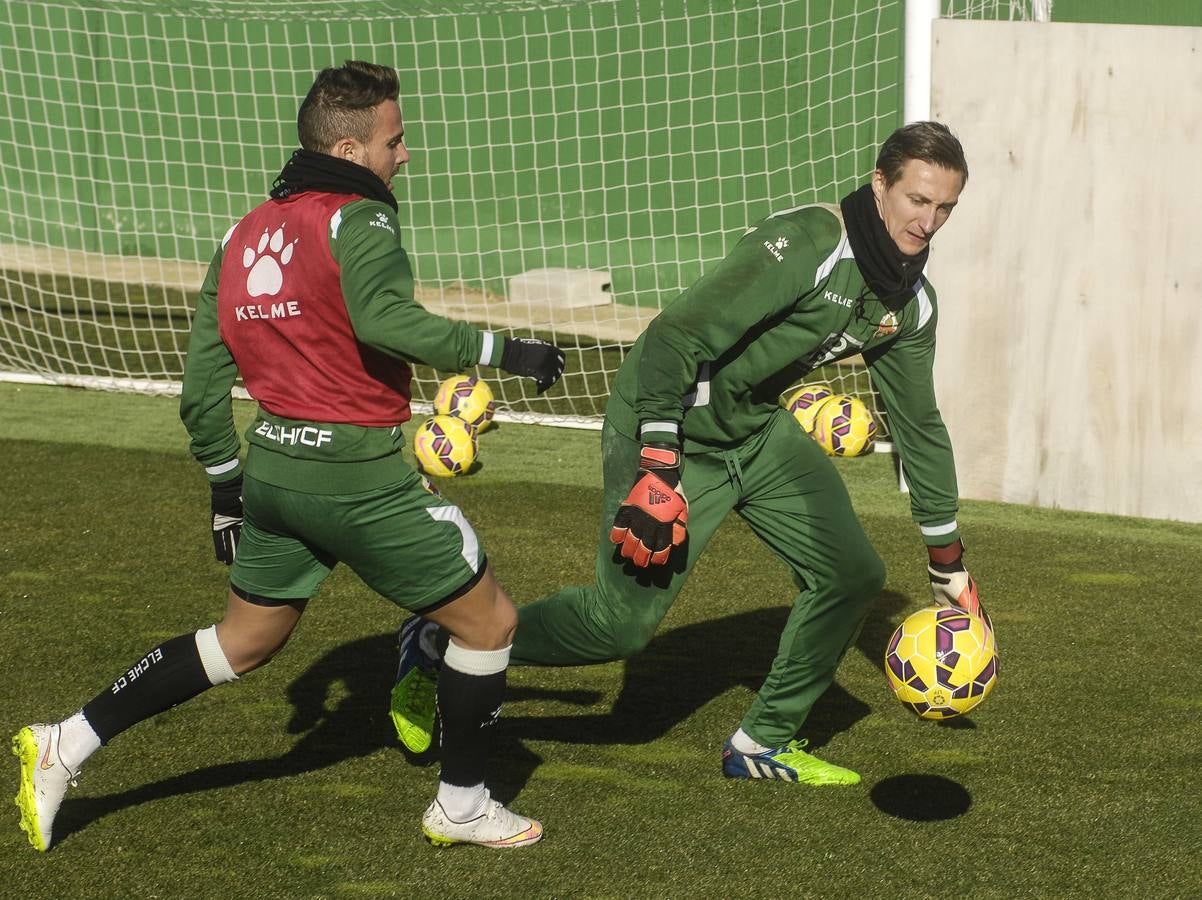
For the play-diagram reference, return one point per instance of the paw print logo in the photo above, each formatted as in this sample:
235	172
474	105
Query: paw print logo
266	272
781	243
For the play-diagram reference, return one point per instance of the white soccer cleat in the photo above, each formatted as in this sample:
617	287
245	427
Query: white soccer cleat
44	781
497	827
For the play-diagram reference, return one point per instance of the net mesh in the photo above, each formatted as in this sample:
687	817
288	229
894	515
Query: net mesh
632	141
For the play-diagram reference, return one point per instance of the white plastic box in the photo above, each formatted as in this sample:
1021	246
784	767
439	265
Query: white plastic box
561	288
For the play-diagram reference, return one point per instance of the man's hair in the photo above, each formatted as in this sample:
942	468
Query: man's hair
931	142
341	104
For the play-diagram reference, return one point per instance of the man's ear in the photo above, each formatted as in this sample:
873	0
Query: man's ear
878	185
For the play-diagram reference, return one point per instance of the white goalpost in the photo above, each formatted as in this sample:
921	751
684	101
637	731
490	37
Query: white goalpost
576	164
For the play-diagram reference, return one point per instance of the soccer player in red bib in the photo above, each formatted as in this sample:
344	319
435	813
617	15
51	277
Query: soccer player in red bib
310	299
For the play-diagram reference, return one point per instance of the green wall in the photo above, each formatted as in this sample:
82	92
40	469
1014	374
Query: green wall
1129	12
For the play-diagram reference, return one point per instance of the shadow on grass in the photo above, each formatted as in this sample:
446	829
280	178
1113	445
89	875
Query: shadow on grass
356	726
679	672
921	798
683	669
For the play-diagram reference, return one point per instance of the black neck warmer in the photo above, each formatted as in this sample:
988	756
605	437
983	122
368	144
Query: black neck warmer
889	272
308	170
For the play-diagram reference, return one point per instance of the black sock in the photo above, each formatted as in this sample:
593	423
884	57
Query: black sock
469	706
165	677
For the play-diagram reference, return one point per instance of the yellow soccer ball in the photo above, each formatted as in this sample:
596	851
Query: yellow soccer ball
843	426
468	398
941	662
805	402
445	446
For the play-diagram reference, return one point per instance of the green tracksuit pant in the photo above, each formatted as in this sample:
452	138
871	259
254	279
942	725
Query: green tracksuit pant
789	492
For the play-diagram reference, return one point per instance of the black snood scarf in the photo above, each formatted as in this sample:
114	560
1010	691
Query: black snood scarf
308	170
888	271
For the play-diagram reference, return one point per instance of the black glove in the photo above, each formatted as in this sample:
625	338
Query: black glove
227	518
534	359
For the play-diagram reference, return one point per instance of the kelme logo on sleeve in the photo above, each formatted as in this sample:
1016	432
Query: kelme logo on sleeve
775	247
381	221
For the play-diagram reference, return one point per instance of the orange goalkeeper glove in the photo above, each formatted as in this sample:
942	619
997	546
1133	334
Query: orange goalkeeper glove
951	585
654	516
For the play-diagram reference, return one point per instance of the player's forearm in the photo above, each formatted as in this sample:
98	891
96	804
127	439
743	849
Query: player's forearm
667	368
403	328
206	407
929	468
934	504
903	375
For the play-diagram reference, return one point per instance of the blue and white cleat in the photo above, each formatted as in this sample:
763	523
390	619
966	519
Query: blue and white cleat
787	763
413	703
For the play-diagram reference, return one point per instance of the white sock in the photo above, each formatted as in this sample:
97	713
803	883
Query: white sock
212	657
462	804
76	742
742	742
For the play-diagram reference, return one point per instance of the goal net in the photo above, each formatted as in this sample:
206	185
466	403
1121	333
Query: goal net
575	164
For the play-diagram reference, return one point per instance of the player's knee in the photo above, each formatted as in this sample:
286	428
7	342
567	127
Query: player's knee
503	622
488	622
621	625
630	643
248	651
629	637
862	575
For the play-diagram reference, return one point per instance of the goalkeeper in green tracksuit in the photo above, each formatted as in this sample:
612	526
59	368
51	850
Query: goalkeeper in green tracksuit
695	425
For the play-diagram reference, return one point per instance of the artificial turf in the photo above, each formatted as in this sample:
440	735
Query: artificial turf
1077	777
